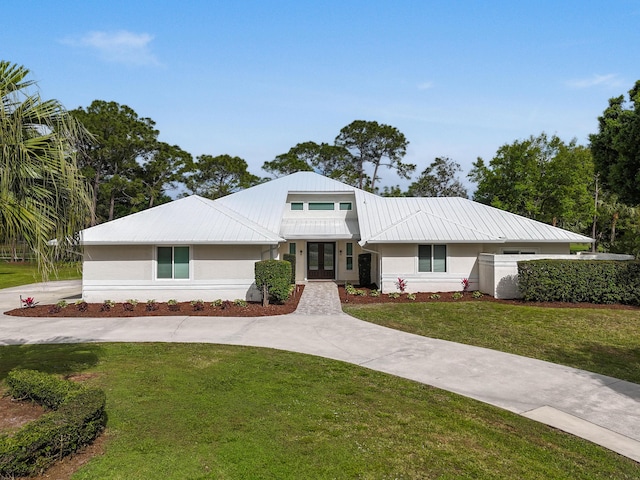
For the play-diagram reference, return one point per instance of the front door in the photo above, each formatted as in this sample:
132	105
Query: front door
321	260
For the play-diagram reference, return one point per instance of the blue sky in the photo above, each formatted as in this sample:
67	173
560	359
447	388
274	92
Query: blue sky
254	78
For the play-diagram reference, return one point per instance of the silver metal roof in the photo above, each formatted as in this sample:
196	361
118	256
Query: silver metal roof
190	220
255	215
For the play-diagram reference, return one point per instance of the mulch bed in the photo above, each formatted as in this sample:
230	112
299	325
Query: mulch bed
228	309
428	297
255	309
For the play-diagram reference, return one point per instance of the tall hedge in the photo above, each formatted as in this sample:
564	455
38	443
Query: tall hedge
593	281
273	277
77	417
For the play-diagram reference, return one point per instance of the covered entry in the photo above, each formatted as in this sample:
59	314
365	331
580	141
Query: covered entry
321	259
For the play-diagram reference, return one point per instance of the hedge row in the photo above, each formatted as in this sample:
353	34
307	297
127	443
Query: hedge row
77	418
593	281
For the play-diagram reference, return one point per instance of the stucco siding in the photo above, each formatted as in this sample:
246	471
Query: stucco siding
109	262
119	273
401	261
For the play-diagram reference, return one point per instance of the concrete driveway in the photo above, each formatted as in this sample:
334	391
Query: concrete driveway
598	408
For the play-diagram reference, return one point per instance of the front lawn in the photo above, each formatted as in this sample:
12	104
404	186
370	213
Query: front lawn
208	411
601	340
14	274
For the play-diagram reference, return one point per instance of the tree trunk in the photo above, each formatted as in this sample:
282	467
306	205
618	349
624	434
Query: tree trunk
265	296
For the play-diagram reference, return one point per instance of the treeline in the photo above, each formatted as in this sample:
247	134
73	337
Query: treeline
592	189
48	153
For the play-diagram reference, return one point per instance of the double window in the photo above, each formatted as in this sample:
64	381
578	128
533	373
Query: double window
349	256
173	262
432	258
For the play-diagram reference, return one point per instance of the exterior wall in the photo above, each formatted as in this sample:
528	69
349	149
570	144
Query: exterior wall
401	260
119	273
499	273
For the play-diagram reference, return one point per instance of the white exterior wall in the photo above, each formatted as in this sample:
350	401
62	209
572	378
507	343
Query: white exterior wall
401	260
119	273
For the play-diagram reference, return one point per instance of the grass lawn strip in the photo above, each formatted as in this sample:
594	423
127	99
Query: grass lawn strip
605	341
16	274
207	411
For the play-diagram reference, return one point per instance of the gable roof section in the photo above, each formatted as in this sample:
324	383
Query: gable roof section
190	220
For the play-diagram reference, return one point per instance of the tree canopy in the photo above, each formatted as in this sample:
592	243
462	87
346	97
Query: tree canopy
616	146
542	178
43	195
215	177
375	144
123	140
439	179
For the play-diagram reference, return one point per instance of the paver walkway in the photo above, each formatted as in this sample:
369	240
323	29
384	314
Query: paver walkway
598	408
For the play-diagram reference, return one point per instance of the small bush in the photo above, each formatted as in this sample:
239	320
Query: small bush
238	302
130	304
197	305
216	303
151	305
82	306
349	289
173	305
107	305
434	296
273	278
394	295
374	293
457	295
411	296
477	294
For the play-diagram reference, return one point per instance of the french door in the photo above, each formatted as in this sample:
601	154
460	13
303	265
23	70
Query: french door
321	260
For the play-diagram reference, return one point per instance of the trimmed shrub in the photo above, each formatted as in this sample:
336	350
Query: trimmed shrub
593	281
364	269
273	277
77	418
291	258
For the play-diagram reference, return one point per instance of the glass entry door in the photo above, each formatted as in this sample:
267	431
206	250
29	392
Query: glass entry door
321	257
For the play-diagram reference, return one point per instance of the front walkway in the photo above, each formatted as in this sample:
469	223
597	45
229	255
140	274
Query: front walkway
598	408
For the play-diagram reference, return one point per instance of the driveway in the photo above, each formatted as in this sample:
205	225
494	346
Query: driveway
598	408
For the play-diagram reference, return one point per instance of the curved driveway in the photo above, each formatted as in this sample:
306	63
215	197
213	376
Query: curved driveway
598	408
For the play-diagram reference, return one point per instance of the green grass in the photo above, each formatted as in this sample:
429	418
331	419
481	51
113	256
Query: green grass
16	274
193	411
605	341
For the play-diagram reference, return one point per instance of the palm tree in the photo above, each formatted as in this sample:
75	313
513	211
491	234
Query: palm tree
44	200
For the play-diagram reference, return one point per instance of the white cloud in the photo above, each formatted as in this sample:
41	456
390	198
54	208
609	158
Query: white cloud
119	47
610	80
425	85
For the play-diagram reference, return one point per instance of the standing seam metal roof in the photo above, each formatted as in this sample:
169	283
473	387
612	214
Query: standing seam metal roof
255	216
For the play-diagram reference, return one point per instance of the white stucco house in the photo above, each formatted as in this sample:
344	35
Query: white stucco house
198	248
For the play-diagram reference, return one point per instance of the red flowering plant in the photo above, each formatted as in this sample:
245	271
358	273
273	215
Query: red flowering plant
465	284
401	284
28	302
